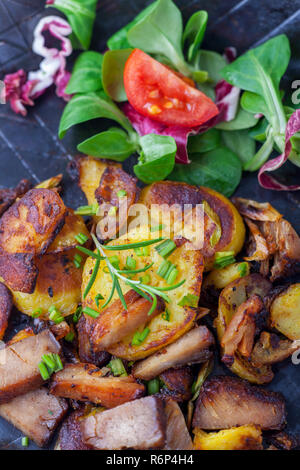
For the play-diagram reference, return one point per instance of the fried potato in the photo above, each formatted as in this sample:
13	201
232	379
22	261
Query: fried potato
58	284
74	224
50	183
232	226
247	437
235	294
190	266
220	278
285	312
6	305
27	229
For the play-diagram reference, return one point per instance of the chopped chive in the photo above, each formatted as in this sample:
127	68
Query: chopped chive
25	441
223	259
153	386
139	337
165	248
115	261
93	276
189	300
243	269
43	371
70	336
50	363
55	315
122	193
166	315
77	260
163	268
90	312
144	334
37	313
130	262
87	210
142	251
145	279
117	368
172	276
131	246
97	298
156	228
81	238
77	315
59	364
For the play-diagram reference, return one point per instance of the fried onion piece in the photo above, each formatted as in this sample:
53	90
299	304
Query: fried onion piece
27	229
258	247
262	211
270	348
239	334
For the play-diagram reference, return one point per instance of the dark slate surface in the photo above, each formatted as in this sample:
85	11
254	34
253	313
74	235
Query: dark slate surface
29	147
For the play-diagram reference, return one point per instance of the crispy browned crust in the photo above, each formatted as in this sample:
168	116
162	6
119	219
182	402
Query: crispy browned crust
114	323
85	382
6	305
226	402
261	211
27	228
8	196
270	349
19	372
85	349
70	436
65	240
178	383
37	414
284	441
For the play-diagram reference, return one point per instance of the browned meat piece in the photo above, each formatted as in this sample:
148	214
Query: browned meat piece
114	323
70	435
8	196
178	383
239	334
112	181
86	351
270	349
27	228
191	348
85	382
60	330
6	305
19	372
36	414
139	424
225	402
177	435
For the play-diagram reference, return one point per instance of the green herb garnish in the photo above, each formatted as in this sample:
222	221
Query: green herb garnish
81	238
139	337
153	386
223	259
117	367
189	300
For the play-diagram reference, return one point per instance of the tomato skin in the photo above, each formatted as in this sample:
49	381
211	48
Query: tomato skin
159	93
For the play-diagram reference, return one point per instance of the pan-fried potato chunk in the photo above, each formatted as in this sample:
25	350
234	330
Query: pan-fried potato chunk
230	299
241	438
65	240
232	226
285	312
85	382
220	278
27	229
6	305
58	284
162	332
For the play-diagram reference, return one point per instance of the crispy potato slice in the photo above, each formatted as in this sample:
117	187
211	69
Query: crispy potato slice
162	332
65	240
58	283
225	402
27	228
220	278
232	226
51	183
115	322
247	437
85	382
6	305
285	312
235	294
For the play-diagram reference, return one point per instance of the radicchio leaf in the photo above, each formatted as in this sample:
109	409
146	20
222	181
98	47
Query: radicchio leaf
269	182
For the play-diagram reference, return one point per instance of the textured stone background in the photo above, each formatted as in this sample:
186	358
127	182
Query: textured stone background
29	147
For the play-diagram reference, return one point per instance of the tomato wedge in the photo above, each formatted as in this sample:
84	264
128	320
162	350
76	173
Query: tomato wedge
159	93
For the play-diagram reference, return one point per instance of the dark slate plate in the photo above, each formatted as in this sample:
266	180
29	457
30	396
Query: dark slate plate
29	147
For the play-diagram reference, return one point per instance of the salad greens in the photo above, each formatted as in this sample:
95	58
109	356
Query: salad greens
112	73
86	74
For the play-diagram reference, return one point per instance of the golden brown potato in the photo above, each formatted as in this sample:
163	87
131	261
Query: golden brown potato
6	305
232	226
51	183
220	278
85	382
27	229
230	299
65	240
240	438
58	283
190	266
285	312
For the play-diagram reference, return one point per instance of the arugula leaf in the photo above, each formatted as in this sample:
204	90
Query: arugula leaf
86	73
157	158
84	107
219	169
112	73
194	33
241	144
160	32
81	15
119	39
205	142
114	144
